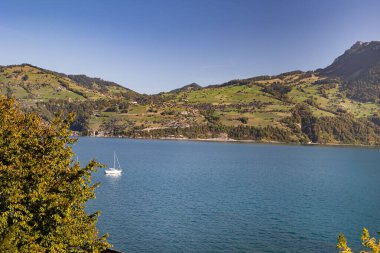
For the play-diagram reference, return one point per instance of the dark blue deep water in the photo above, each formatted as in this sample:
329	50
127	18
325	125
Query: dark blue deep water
184	196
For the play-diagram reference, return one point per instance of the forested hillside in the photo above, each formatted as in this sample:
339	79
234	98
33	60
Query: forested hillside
338	104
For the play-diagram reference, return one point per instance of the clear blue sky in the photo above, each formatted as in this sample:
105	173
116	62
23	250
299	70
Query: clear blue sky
152	46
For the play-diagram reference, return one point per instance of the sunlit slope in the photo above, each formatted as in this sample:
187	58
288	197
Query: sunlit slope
27	82
268	99
338	104
260	101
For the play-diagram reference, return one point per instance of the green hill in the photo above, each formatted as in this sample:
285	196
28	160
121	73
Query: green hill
27	82
338	104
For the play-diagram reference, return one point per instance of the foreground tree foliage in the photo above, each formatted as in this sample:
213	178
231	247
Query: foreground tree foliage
42	191
367	241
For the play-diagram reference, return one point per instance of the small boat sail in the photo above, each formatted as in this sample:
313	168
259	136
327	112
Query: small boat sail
115	170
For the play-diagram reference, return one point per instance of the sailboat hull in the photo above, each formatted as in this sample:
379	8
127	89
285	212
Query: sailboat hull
112	171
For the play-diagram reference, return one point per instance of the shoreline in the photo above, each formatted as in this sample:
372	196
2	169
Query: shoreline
224	140
263	142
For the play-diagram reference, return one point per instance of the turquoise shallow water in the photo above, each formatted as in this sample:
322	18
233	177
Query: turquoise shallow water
183	196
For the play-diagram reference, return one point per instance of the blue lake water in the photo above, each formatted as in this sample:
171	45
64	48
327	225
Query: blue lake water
184	196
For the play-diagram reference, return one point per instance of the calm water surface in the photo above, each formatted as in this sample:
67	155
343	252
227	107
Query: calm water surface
179	196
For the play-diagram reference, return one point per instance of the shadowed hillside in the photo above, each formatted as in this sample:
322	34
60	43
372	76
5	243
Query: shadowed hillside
359	70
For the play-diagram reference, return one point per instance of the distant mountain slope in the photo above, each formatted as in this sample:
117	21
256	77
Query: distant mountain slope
304	105
192	86
359	70
102	86
338	104
28	82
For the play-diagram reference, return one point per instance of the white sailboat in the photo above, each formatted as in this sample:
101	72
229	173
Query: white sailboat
115	170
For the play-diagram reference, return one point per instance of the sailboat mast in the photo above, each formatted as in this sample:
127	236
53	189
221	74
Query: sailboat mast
114	157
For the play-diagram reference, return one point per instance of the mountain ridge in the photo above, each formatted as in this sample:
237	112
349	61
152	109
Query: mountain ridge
337	104
359	70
